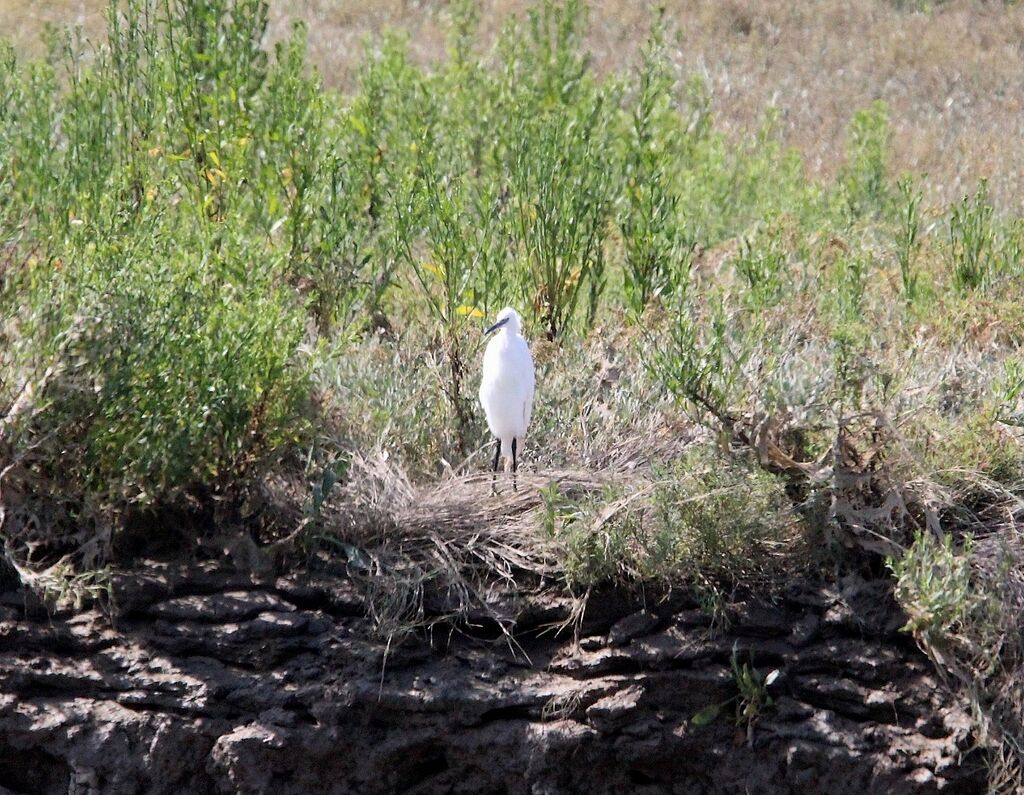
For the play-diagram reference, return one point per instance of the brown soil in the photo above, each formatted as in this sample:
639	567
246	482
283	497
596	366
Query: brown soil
210	681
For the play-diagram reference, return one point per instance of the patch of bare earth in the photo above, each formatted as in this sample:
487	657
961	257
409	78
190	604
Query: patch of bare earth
214	681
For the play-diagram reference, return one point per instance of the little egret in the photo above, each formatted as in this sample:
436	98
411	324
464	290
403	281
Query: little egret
506	389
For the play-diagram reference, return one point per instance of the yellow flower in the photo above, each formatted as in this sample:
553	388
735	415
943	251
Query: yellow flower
214	175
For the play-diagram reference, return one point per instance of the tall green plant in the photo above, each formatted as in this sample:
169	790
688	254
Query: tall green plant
560	206
865	176
908	237
462	248
556	140
656	254
972	241
761	263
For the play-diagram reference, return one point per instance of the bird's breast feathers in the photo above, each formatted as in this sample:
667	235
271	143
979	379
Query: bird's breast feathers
506	388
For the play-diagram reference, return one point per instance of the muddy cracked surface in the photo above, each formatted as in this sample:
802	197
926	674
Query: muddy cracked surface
212	683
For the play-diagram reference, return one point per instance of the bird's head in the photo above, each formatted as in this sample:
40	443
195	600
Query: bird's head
507	318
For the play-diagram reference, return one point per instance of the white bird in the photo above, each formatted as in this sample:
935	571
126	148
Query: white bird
506	389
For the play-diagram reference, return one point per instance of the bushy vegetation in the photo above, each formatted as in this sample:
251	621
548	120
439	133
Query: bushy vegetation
704	523
214	271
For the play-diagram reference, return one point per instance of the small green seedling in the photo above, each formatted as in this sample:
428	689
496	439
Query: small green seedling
751	700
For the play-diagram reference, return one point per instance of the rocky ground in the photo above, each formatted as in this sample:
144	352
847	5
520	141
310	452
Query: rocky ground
208	682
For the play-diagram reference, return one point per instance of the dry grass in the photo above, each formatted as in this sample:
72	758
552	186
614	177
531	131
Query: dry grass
952	76
448	550
26	21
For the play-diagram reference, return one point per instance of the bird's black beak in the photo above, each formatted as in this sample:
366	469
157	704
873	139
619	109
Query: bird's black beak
496	326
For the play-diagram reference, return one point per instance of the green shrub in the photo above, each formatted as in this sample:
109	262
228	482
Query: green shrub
908	238
152	182
761	264
656	250
709	523
933	585
555	145
972	241
865	176
172	372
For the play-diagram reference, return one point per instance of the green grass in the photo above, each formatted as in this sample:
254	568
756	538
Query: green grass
706	523
214	272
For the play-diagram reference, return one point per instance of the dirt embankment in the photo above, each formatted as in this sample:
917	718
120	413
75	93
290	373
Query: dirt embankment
209	682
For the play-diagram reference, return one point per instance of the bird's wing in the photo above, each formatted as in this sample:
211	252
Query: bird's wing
529	385
528	403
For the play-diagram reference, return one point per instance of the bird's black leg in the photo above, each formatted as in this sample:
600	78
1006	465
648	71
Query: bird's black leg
515	465
494	471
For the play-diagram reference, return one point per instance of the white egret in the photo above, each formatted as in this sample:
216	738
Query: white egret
506	389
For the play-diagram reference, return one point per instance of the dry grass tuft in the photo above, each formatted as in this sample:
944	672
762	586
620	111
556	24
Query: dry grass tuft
448	551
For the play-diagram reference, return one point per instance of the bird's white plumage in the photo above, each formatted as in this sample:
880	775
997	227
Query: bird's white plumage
506	388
